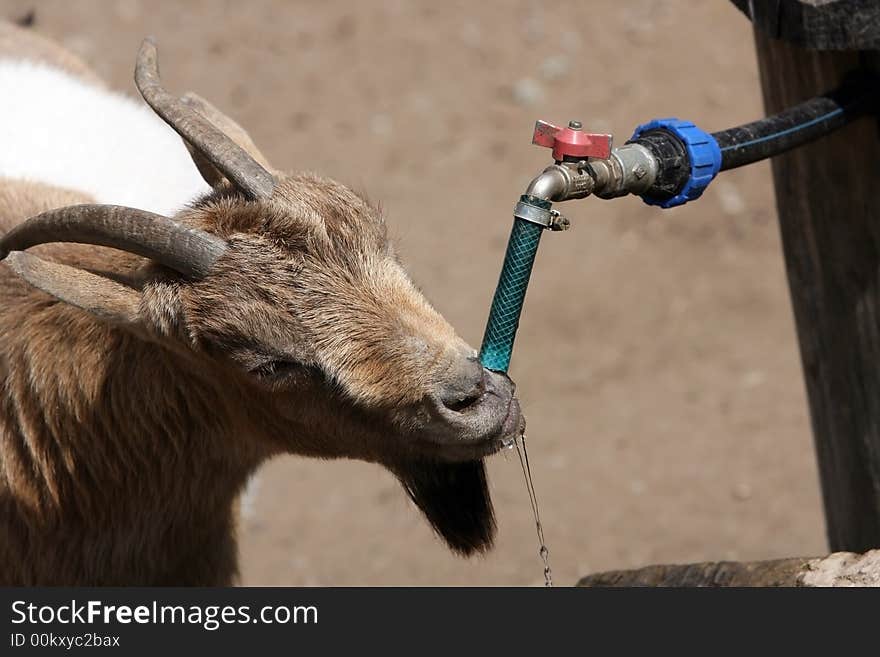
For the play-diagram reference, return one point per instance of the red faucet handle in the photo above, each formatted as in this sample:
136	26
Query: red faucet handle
545	133
571	141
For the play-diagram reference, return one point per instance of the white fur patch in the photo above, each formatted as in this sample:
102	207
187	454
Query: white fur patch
59	130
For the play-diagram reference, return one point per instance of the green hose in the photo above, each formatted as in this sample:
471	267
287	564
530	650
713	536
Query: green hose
510	294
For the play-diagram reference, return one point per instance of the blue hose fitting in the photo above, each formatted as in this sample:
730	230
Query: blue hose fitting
703	153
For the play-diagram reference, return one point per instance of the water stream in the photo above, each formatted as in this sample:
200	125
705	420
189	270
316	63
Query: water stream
543	552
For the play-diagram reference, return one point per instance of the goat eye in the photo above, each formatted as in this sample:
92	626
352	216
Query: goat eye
272	369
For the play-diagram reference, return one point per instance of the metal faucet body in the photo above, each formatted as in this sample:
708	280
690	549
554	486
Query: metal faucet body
629	169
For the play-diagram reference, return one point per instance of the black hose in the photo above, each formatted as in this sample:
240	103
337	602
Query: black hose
797	125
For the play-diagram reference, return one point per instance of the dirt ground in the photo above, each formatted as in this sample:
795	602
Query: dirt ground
656	361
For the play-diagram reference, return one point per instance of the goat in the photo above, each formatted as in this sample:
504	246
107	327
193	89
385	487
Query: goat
151	363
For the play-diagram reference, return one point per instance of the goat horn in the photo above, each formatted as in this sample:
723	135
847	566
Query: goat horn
230	159
189	251
100	296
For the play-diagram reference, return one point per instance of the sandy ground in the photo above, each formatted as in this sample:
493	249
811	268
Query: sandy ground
656	362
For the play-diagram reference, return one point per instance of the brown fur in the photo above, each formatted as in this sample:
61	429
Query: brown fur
18	43
123	447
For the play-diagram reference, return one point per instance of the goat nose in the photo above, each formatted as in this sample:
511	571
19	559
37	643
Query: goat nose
464	386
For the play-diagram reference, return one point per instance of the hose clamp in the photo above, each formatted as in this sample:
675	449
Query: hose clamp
545	217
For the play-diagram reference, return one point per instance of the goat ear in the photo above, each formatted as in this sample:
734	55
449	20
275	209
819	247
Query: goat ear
226	125
107	299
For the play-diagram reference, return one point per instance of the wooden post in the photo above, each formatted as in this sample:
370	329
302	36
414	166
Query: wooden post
828	198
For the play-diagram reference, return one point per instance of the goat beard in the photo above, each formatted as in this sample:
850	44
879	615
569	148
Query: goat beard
454	497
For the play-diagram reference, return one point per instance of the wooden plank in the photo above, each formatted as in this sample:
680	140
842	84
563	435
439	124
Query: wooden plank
828	199
818	24
839	569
